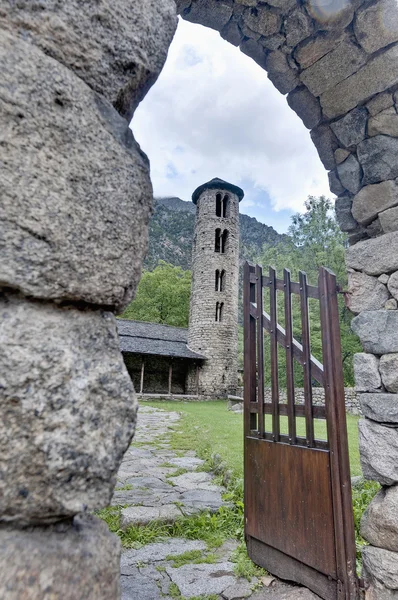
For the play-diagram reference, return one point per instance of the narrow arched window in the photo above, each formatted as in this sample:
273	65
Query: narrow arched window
218	241
218	281
221	287
219	311
225	206
218	205
224	241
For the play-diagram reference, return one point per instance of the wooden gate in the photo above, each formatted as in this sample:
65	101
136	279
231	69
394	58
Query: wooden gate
298	508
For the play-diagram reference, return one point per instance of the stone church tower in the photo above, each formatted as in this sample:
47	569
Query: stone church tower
213	321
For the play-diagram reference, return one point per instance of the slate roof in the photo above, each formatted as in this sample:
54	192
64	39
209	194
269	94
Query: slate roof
139	337
217	184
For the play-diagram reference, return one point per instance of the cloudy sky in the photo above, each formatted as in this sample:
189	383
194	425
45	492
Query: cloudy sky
214	113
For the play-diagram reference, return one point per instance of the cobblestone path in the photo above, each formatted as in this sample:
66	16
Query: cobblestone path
149	493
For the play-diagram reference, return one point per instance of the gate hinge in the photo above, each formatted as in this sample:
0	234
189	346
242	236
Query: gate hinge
362	588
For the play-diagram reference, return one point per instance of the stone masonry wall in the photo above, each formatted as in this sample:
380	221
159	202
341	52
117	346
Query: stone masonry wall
216	340
76	198
75	202
337	62
318	397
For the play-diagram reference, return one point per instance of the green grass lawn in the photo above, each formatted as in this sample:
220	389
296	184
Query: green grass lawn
210	424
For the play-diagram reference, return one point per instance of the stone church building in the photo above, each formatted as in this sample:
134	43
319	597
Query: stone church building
200	360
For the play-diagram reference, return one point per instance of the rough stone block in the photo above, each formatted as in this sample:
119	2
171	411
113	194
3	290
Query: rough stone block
393	284
344	216
378	446
379	103
365	292
209	13
391	304
384	123
262	20
280	73
379	525
72	561
389	373
314	49
284	5
335	184
232	33
381	565
378	157
373	199
350	173
382	408
76	193
351	129
376	256
377	75
298	27
366	372
389	220
255	51
67	410
306	106
340	155
117	48
333	68
326	143
377	330
376	26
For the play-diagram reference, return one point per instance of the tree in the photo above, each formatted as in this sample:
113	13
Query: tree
316	241
162	296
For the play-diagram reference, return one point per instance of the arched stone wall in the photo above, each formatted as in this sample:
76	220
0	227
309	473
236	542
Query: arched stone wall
75	201
76	198
337	61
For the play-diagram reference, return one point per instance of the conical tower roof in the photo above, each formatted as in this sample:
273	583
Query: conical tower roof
217	184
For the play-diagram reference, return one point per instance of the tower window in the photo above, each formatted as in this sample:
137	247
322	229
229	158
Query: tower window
224	240
220	280
222	205
225	206
218	241
218	205
219	311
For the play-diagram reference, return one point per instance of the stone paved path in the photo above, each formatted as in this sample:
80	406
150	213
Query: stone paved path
150	488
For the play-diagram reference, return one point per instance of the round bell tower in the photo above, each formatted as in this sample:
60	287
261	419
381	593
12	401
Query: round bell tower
213	322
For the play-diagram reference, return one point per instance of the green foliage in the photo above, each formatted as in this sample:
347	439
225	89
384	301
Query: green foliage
362	495
315	241
244	567
191	557
162	297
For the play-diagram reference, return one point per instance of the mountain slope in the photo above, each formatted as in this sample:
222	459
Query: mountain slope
171	233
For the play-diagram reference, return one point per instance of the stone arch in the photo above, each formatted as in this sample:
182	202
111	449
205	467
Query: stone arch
337	64
75	206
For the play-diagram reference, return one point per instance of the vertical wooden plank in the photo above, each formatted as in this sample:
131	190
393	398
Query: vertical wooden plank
142	376
249	350
170	375
274	356
306	343
260	350
338	438
289	357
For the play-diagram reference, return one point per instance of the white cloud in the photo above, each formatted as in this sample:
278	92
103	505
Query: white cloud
214	113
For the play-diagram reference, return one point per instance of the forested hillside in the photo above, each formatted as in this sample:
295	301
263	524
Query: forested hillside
171	234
